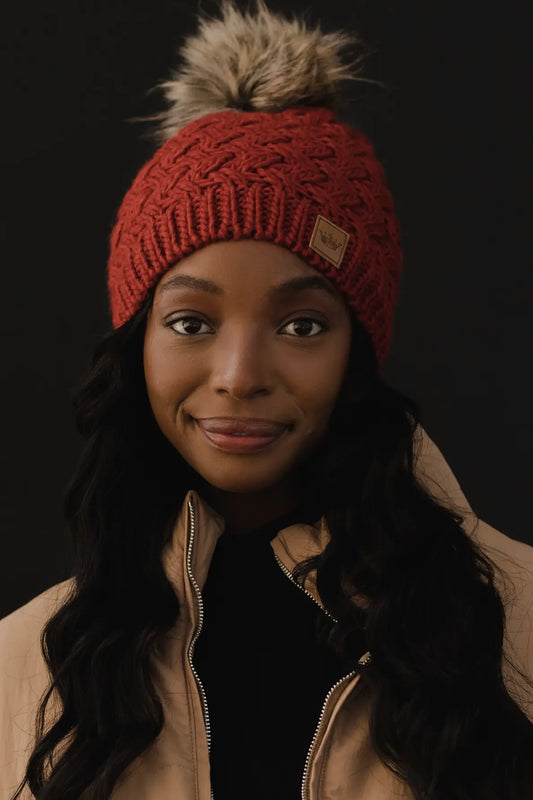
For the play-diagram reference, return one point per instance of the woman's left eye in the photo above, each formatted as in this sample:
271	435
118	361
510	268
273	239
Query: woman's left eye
303	327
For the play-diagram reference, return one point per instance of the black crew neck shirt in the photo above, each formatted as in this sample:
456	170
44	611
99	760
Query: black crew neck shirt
264	672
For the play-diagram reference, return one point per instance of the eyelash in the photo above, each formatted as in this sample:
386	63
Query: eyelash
175	320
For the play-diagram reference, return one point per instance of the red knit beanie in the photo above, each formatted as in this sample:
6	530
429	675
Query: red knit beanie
297	177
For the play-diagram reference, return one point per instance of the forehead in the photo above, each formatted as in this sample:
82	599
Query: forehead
257	267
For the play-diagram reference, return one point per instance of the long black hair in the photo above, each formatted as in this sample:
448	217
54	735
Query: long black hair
441	716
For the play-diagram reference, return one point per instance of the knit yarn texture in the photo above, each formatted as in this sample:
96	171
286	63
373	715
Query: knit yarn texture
234	175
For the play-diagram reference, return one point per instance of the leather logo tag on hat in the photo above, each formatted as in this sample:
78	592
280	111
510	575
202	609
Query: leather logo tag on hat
329	241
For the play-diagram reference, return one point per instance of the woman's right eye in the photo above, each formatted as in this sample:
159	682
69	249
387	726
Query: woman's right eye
186	326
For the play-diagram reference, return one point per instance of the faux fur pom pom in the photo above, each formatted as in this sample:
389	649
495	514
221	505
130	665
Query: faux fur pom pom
249	61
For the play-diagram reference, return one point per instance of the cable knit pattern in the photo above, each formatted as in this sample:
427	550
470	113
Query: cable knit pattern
254	175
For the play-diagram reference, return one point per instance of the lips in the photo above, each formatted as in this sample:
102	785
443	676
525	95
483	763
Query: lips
246	426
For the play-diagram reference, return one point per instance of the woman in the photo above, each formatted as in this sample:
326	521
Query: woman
279	589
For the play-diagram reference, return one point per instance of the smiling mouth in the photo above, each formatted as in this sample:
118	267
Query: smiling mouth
240	442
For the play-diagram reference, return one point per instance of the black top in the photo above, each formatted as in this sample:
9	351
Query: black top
264	673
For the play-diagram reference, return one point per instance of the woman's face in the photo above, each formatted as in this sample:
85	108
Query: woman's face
244	330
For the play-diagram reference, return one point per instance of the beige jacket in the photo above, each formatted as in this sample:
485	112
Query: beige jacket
341	764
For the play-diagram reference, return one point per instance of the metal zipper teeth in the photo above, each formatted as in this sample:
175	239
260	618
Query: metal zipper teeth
305	777
363	661
198	629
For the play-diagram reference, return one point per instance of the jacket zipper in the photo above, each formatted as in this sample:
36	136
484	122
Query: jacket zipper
305	778
192	579
365	659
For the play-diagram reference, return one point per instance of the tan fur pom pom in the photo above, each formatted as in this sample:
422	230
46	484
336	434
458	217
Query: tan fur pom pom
252	61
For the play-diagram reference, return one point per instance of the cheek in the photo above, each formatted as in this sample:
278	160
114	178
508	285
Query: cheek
168	378
317	384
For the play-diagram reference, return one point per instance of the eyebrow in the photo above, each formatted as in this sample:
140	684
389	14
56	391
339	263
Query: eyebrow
292	286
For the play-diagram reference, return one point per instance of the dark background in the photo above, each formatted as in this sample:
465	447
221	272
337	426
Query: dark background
452	131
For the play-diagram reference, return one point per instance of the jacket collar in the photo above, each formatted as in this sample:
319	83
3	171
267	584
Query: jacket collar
198	528
295	542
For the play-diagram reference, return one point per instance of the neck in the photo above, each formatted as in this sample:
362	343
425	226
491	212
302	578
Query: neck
250	510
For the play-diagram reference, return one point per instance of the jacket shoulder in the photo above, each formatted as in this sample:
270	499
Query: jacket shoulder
24	678
515	555
514	580
20	630
513	561
21	658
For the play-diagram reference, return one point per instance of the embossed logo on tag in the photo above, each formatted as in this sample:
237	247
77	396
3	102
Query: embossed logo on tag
329	241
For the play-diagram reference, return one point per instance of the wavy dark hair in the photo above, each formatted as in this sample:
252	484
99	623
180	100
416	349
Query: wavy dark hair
441	716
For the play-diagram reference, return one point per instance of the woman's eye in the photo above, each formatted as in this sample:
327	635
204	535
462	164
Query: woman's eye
187	326
303	327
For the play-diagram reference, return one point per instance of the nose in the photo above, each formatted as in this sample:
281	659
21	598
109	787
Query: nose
242	366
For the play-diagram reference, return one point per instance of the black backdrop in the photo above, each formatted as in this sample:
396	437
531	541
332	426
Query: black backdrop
451	129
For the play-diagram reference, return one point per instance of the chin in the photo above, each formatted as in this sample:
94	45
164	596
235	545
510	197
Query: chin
243	483
241	474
